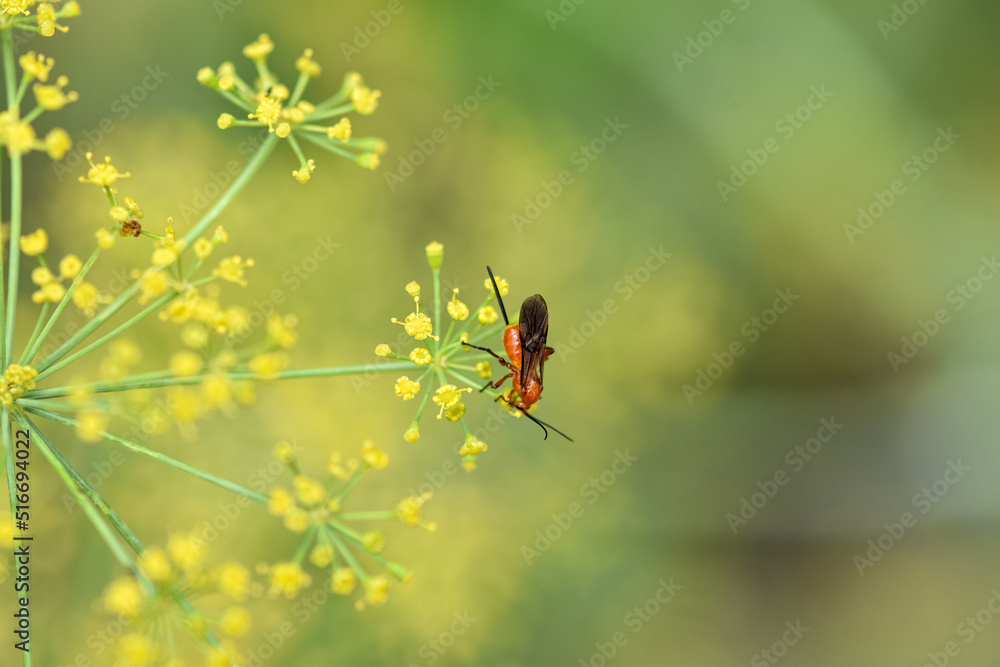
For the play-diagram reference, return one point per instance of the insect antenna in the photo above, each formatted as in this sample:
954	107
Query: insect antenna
543	425
497	292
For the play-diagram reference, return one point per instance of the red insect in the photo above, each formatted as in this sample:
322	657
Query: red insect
525	345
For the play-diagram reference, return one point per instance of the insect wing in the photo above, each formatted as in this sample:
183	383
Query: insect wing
534	324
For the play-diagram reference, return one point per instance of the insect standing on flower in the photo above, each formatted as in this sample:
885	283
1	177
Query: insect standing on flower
525	345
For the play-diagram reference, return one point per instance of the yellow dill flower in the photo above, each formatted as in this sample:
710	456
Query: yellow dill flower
194	335
268	111
36	66
321	555
283	129
125	351
258	51
502	286
105	239
409	511
34	243
373	456
186	550
284	452
69	267
15	6
103	175
406	388
418	325
20	137
374	541
156	565
235	622
455	412
233	269
342	130
125	597
484	369
487	315
304	173
412	434
307	65
281	330
47	25
53	98
308	490
41	275
413	288
287	578
90	424
216	390
376	592
368	160
138	650
203	248
281	501
421	356
119	214
53	292
233	580
472	446
383	350
296	520
87	298
457	309
269	364
164	256
152	284
186	364
6	534
435	255
226	121
133	207
57	143
343	581
365	100
340	470
448	395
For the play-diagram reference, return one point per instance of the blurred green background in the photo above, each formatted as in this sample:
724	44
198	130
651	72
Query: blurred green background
701	93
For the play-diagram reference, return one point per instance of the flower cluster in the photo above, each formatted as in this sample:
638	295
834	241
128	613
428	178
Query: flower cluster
16	130
45	21
271	104
435	361
315	510
147	605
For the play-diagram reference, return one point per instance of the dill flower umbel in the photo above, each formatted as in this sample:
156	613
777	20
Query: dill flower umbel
444	369
271	104
330	540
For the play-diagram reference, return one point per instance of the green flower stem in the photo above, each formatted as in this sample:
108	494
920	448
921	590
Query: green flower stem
162	458
296	149
240	102
251	168
464	379
10	77
34	334
34	113
423	401
323	142
300	86
163	378
437	305
6	442
365	516
322	114
108	337
65	406
37	344
356	539
351	482
3	298
346	553
307	541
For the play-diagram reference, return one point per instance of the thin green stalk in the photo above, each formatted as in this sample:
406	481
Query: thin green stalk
162	458
16	194
161	379
34	334
351	482
325	143
307	540
156	305
348	556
